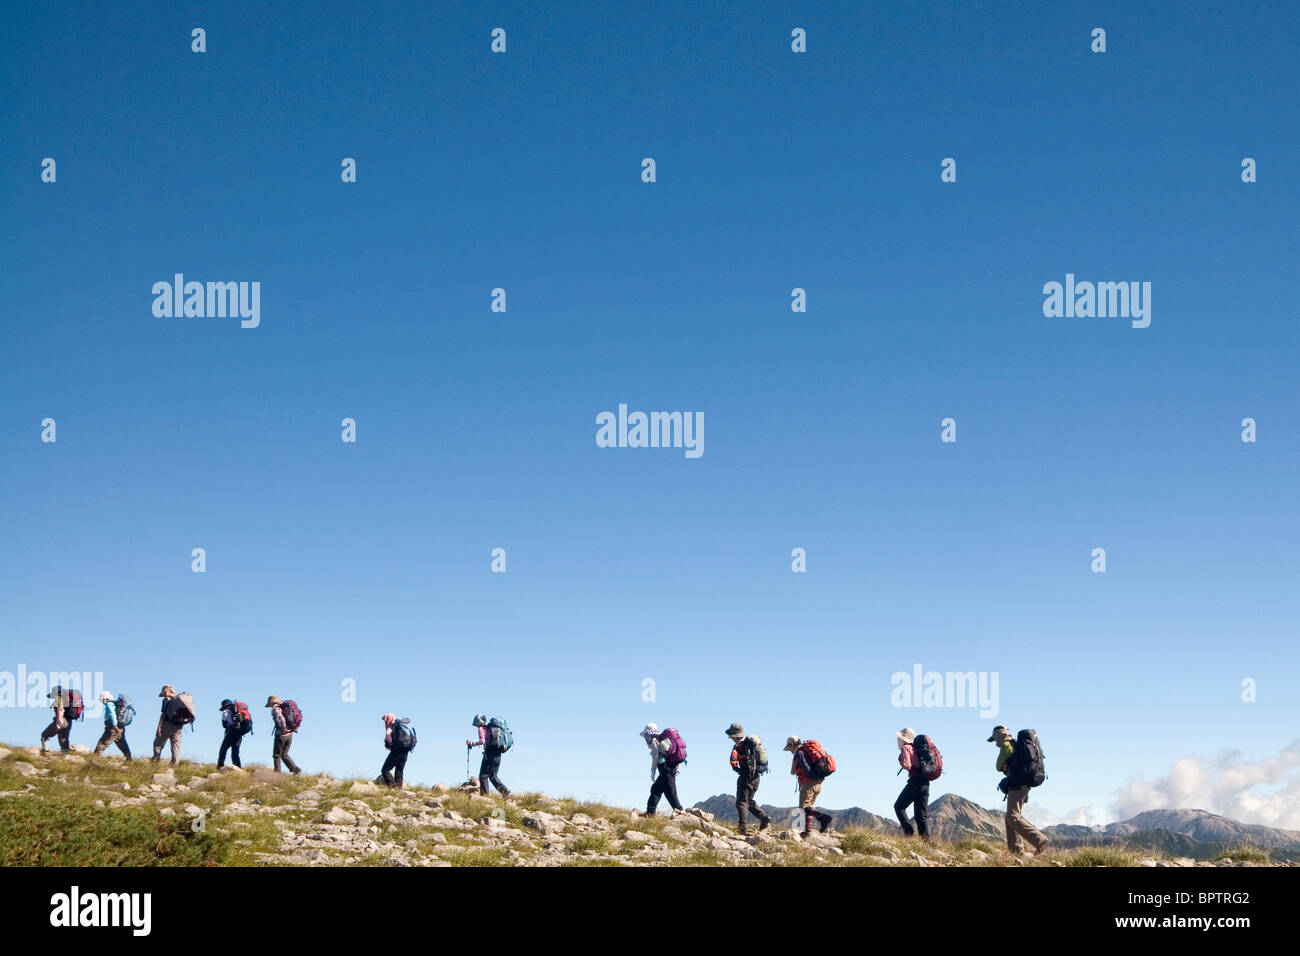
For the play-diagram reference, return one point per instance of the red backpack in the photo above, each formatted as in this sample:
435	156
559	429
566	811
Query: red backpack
820	762
69	698
929	762
678	753
292	715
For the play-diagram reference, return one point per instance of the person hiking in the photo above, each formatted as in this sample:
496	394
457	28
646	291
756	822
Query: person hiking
173	717
399	740
114	725
61	725
235	722
493	737
1015	784
749	760
667	754
807	769
916	792
284	731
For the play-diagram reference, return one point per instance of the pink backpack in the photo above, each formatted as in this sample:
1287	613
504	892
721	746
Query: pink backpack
678	753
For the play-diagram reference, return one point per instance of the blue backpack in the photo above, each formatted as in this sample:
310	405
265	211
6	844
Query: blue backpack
403	735
125	711
499	736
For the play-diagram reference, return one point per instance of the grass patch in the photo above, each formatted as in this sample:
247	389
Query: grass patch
1246	853
596	842
62	832
1100	856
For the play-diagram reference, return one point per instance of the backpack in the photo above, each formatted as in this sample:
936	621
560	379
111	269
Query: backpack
755	755
678	754
69	699
1026	764
180	709
125	711
499	736
821	763
929	762
292	716
403	735
242	720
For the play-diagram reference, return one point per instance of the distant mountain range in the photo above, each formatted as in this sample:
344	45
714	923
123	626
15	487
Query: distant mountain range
1197	834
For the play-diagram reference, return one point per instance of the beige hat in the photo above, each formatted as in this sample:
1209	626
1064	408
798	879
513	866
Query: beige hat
792	744
167	691
105	696
907	735
273	700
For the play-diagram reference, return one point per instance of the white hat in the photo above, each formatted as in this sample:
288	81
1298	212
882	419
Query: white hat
650	730
105	696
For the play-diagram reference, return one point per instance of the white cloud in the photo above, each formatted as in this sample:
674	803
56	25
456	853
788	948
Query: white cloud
1249	791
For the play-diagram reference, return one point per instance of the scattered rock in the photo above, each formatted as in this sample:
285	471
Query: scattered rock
339	816
369	789
637	836
167	779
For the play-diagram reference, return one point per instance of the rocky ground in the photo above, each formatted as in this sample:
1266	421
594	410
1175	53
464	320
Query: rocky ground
258	817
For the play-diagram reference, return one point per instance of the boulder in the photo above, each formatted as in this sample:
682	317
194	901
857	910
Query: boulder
545	822
339	816
638	837
167	779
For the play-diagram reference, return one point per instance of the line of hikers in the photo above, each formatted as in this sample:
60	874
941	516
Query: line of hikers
175	714
178	712
1019	760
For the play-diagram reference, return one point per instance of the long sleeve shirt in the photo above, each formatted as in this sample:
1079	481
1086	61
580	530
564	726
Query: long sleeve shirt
281	727
659	746
801	768
110	713
907	760
482	738
1004	754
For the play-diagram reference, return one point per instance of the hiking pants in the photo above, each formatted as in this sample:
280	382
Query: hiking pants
808	793
1018	827
487	772
917	792
62	733
394	766
665	785
746	790
280	752
168	731
113	735
230	743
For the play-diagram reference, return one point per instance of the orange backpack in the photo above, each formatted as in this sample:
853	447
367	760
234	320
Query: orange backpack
821	763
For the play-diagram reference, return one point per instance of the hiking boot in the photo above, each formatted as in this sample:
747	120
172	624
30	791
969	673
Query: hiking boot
1043	847
825	819
764	823
297	770
743	830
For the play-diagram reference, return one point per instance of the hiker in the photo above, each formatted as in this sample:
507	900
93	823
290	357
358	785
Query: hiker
399	740
667	754
810	766
1021	763
67	708
286	725
115	723
177	711
235	721
916	792
494	738
749	760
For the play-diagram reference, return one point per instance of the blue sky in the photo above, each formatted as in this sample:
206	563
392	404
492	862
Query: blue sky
328	561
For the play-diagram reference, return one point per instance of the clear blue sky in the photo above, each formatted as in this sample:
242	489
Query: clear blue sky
476	430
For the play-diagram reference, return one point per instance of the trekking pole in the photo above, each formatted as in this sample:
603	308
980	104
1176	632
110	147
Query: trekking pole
467	763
